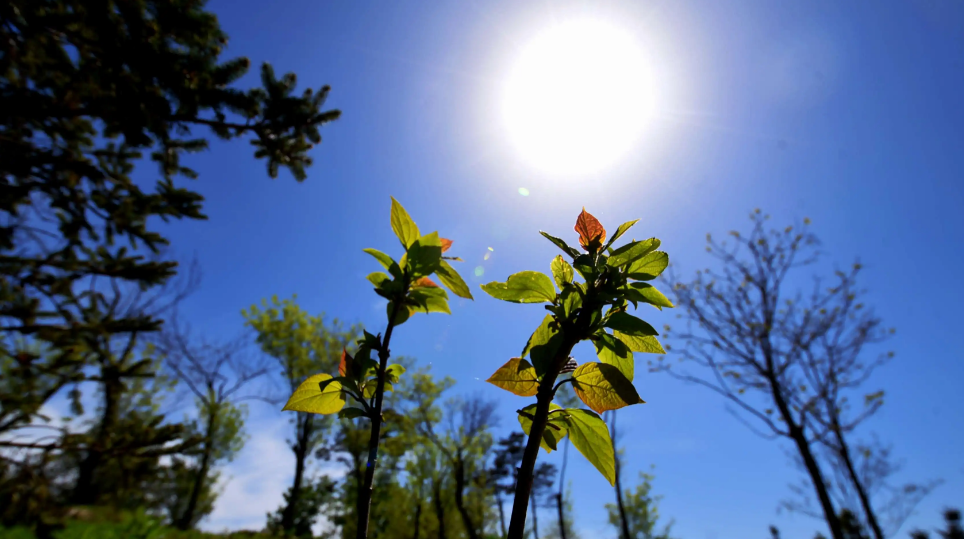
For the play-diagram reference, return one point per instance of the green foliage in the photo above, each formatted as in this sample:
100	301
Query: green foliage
595	310
642	511
308	506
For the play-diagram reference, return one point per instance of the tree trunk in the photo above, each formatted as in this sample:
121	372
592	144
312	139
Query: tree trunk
301	451
535	519
498	502
813	469
562	485
844	451
562	519
187	518
459	469
623	520
86	490
418	520
439	508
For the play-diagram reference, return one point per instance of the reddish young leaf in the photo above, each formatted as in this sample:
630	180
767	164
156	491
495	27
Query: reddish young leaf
446	243
424	282
345	365
590	230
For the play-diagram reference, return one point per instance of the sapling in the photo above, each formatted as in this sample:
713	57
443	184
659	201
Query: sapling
595	310
364	379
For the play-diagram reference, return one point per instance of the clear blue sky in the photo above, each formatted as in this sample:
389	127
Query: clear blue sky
849	113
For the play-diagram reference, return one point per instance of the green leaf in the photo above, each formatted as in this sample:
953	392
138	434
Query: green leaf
543	344
649	267
378	278
612	351
517	376
585	267
621	230
352	413
404	227
452	280
561	272
556	427
590	437
560	244
644	343
368	388
311	398
603	387
393	371
386	261
403	313
630	325
429	300
424	256
523	287
571	299
646	293
632	251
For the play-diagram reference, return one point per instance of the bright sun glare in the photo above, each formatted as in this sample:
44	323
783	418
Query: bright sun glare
577	98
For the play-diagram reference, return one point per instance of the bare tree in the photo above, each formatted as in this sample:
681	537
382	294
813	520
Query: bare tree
785	359
215	374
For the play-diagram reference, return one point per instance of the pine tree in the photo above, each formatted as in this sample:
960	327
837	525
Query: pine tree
88	89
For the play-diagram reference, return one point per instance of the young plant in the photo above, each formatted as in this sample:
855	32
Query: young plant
361	377
594	310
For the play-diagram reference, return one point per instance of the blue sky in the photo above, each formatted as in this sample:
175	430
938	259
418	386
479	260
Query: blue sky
848	113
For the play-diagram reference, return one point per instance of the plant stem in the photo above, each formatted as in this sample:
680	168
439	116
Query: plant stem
365	494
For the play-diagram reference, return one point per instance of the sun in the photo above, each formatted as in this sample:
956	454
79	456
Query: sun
577	98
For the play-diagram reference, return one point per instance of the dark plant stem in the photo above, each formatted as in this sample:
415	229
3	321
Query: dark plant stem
365	493
523	488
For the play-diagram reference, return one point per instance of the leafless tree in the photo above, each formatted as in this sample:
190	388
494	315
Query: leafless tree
785	359
216	374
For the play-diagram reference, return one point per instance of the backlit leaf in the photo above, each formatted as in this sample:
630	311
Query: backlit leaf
429	300
630	325
640	343
561	271
386	261
393	371
590	230
590	437
558	242
543	344
424	282
446	244
556	427
402	224
452	280
646	293
309	397
648	267
345	365
602	387
612	351
622	230
352	413
517	376
424	256
403	313
523	287
631	252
